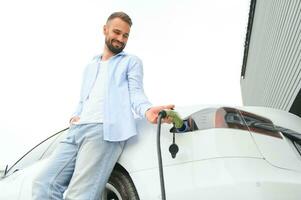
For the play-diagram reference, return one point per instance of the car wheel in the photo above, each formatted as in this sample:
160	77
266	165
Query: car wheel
120	187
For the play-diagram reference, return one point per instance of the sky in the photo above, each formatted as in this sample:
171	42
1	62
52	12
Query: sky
192	52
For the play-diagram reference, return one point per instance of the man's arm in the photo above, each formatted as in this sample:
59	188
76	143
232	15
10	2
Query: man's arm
79	107
139	101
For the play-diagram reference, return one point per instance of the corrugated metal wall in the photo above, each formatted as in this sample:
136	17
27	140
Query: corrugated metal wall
272	77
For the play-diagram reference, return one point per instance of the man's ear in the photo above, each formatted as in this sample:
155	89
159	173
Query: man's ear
104	29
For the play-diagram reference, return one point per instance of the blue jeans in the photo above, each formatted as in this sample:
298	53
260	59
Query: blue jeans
81	165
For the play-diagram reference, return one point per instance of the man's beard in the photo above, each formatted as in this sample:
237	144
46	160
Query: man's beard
112	48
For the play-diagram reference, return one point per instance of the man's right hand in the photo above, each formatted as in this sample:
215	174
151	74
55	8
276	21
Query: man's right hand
152	113
74	120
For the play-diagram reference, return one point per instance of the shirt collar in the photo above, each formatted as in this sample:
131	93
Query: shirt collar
98	57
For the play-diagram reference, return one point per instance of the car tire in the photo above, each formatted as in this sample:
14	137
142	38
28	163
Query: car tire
120	187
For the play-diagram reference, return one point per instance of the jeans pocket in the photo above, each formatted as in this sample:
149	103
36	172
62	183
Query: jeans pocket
72	126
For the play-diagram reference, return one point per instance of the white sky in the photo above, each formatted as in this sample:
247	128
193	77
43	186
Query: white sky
192	52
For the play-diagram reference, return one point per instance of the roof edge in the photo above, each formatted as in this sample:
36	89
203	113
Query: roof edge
248	37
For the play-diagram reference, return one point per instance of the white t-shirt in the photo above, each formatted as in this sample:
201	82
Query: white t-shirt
93	108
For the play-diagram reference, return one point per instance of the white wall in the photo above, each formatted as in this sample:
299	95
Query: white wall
273	71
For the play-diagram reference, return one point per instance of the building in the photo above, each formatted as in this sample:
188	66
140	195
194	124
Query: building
271	71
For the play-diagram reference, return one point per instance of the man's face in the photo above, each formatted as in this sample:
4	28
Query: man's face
116	33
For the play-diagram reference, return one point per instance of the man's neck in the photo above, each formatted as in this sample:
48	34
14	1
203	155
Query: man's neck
107	54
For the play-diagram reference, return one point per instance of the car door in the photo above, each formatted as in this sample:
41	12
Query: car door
12	184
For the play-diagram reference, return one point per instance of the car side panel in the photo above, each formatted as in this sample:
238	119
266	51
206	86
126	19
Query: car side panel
221	178
11	186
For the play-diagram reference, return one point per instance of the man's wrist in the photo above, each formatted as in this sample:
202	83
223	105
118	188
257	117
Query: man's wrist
147	111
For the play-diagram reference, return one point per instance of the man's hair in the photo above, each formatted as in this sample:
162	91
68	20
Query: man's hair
123	16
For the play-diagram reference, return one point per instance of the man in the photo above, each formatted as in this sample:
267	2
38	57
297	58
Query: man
111	90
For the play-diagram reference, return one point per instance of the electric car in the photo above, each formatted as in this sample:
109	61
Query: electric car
226	153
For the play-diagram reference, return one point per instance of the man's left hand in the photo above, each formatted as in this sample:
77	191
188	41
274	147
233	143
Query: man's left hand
152	114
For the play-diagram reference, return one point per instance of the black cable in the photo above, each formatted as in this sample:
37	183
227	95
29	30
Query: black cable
161	115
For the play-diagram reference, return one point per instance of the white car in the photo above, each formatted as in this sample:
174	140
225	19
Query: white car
229	153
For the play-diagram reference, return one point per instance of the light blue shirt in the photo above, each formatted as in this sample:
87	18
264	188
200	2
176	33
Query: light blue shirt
123	94
93	107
